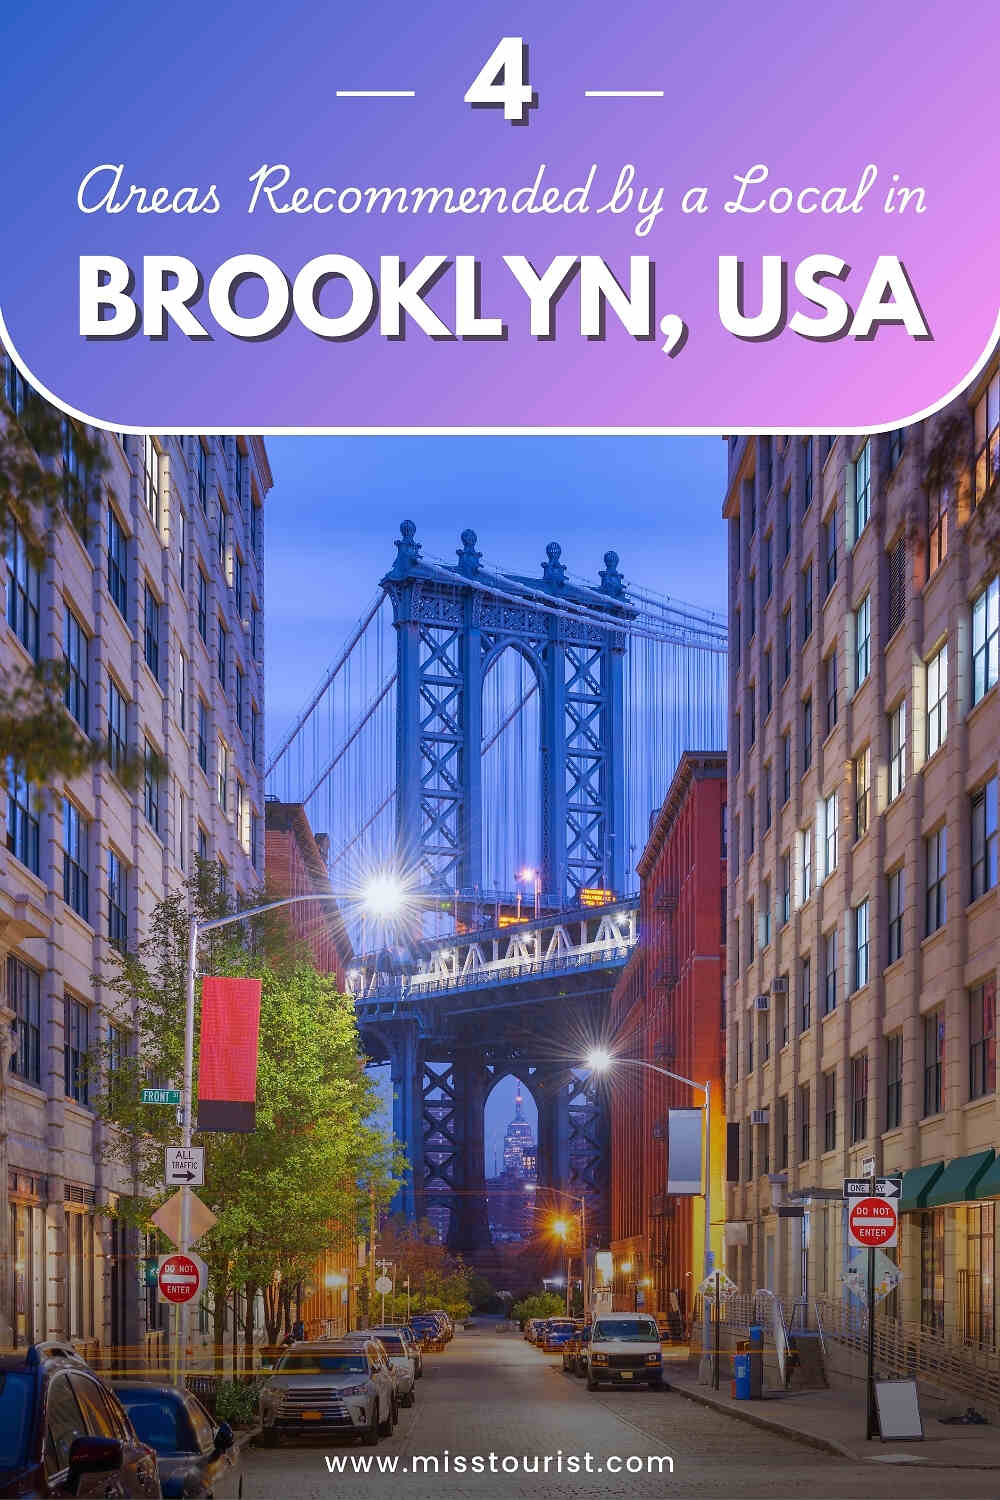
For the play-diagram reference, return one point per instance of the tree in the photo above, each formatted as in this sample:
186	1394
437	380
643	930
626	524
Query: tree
289	1189
437	1278
52	470
538	1305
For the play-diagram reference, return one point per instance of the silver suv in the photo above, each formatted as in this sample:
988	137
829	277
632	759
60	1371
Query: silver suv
330	1386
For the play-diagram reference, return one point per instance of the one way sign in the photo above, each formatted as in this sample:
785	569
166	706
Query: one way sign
873	1187
185	1165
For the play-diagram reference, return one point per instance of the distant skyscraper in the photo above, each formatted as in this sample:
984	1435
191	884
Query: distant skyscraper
511	1208
518	1139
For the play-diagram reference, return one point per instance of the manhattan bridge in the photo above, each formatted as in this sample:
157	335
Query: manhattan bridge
498	742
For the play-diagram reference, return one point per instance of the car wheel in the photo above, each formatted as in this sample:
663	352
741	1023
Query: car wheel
410	1397
385	1428
591	1382
656	1384
370	1435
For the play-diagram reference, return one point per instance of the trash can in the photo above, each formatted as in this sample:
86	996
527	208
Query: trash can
741	1377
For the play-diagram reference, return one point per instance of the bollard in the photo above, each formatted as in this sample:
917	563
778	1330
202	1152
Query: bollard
756	1362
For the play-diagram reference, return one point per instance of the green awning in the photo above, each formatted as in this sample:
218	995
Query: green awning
988	1185
916	1183
959	1179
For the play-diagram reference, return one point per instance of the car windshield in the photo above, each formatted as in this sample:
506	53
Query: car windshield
638	1330
15	1413
160	1421
556	1325
323	1364
394	1345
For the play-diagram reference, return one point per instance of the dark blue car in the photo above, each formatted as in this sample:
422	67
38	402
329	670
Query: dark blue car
196	1456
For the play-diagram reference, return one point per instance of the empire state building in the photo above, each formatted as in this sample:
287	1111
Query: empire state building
519	1144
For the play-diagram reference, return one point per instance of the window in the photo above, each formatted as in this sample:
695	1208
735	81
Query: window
749	935
202	606
896	893
749	1044
117	726
751	499
117	902
151	632
151	479
987	437
982	1040
254	731
862	641
807	601
22	820
117	563
862	792
786	767
934	1062
751	824
830	1110
255	849
254	527
932	1270
241	471
986	640
736	745
937	527
76	833
937	699
786	522
181	827
747	1151
182	548
238	582
223	644
182	688
255	637
861	946
203	475
76	1032
240	699
151	788
768	682
807	733
222	532
894	447
781	1134
223	774
117	1048
768	565
829	552
751	714
936	856
806	838
805	994
766	465
751	606
830	826
13	390
24	999
76	650
897	750
896	593
785	897
737	636
786	645
765	914
830	672
768	799
984	838
894	1081
202	842
203	735
862	489
242	815
807	473
859	1097
736	846
804	1143
23	585
830	972
764	1036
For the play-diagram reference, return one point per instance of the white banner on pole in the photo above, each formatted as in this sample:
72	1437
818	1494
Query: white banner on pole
684	1174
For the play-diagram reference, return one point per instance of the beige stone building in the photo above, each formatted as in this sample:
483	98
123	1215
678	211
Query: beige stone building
159	612
863	909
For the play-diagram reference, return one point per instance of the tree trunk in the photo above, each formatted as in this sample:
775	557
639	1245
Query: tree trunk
272	1311
219	1322
251	1294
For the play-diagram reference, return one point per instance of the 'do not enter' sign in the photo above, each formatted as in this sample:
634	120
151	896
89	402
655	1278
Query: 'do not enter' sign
872	1224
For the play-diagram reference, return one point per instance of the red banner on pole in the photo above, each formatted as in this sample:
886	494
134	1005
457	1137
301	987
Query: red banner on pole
227	1069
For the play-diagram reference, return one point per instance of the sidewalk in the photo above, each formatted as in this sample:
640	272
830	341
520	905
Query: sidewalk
834	1422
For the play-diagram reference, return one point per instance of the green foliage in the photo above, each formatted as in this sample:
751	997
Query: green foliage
237	1402
290	1189
437	1279
538	1305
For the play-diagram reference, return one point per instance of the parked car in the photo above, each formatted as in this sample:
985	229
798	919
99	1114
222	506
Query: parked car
408	1334
533	1328
431	1330
63	1431
624	1349
330	1386
196	1456
447	1323
557	1332
401	1361
573	1350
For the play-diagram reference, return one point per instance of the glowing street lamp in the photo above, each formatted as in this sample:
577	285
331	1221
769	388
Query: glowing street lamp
529	877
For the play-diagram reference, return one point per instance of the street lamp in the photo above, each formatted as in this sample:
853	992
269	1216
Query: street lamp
581	1200
532	878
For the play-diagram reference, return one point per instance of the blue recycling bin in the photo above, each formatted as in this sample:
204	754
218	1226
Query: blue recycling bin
741	1377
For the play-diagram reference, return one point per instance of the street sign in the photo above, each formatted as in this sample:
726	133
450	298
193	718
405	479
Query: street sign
184	1164
160	1096
873	1187
179	1278
727	1288
872	1224
868	1166
383	1286
168	1218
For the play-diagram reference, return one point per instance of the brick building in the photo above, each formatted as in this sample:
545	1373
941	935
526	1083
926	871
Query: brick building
864	927
667	1009
296	866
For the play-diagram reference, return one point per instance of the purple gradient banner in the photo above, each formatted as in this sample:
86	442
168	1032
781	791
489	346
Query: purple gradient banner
642	217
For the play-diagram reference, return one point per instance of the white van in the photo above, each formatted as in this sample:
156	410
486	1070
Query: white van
624	1349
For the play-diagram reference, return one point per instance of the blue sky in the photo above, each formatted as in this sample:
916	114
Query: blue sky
335	510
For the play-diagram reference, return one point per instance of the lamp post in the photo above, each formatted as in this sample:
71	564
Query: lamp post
579	1198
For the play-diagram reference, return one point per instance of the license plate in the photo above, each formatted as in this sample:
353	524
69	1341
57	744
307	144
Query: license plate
626	1374
312	1416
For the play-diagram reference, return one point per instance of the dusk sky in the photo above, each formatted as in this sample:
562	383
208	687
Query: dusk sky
335	510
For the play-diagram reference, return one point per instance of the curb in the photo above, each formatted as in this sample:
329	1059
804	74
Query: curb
808	1439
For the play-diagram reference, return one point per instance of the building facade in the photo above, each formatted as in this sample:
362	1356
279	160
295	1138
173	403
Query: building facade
296	866
157	611
864	926
667	1009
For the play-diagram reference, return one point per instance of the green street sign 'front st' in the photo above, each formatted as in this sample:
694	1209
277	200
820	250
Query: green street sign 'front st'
161	1096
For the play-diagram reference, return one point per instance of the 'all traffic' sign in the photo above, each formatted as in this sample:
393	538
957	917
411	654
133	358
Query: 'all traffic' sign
179	1277
872	1224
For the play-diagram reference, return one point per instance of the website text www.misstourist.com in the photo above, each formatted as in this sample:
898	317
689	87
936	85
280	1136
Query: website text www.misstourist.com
496	1463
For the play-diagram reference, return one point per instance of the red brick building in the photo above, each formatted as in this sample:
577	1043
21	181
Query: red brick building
296	866
667	1009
